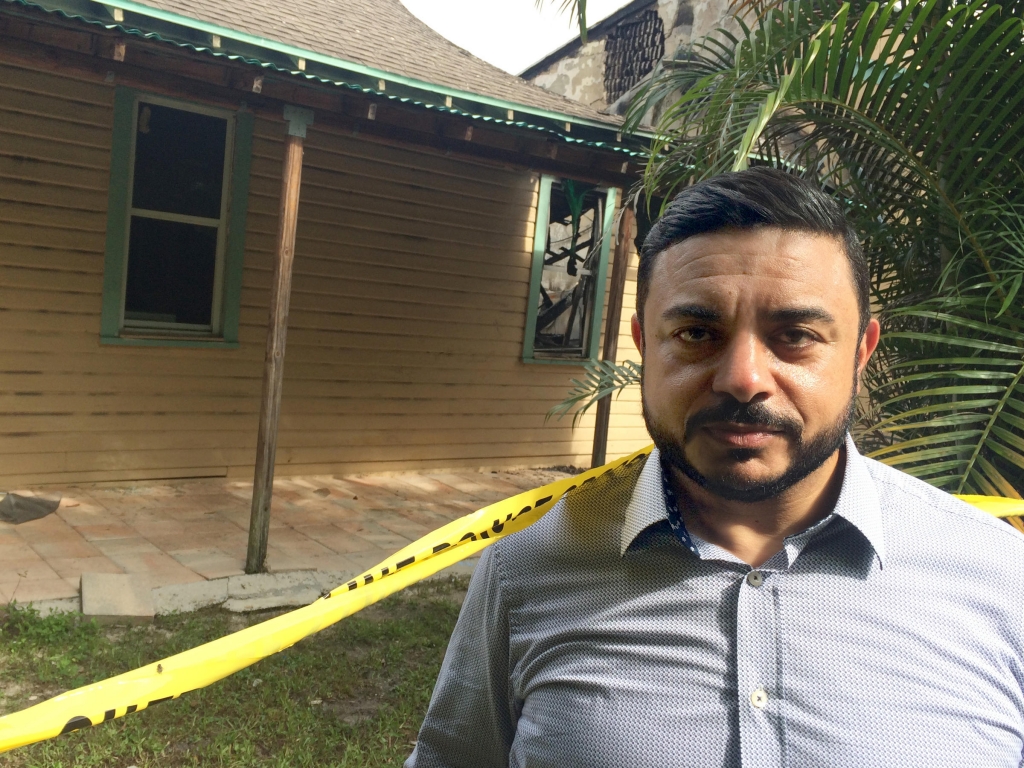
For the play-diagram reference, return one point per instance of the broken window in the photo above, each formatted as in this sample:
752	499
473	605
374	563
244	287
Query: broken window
177	219
570	262
631	51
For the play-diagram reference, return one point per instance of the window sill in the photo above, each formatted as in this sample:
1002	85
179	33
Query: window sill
578	362
153	340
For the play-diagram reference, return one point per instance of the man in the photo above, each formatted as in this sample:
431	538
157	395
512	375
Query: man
756	593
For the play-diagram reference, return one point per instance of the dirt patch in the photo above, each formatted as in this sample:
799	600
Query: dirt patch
17	696
567	469
354	711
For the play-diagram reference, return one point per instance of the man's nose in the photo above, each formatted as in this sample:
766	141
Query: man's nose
744	369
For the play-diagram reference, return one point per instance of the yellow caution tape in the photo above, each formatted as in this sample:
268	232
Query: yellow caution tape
1010	510
197	668
170	678
996	505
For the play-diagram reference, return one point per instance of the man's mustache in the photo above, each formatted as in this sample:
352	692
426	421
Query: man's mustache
732	411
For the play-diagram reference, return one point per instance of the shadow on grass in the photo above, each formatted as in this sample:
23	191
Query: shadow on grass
352	695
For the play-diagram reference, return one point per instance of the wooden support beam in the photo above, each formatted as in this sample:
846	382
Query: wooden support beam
620	268
273	366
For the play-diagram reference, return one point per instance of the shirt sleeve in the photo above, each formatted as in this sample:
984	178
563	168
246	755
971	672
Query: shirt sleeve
470	722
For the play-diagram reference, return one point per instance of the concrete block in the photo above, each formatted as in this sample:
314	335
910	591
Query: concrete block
62	605
182	598
251	585
114	598
291	598
258	592
330	580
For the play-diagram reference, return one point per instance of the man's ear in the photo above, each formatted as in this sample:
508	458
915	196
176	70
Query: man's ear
638	334
868	343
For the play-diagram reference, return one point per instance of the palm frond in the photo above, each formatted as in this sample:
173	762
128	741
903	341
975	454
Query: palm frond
982	450
576	9
912	113
904	110
600	379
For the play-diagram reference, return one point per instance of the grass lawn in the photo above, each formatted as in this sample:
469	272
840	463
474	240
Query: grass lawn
352	695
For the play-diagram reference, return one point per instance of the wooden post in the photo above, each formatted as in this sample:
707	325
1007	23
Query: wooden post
273	366
611	332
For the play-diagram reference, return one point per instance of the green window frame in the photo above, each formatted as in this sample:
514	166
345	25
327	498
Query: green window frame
590	346
231	251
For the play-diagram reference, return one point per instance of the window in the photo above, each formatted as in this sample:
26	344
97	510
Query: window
570	261
176	222
631	51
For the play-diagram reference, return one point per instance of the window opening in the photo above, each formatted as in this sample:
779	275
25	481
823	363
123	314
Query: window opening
631	51
568	284
177	218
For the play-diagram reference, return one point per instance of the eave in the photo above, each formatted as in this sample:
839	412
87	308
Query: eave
137	20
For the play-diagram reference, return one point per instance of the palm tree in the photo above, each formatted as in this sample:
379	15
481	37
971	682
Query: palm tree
911	112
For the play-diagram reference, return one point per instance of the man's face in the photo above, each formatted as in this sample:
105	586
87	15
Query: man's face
751	357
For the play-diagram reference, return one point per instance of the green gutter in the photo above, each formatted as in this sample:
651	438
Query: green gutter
350	66
310	56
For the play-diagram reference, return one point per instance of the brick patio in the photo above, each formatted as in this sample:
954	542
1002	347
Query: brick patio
176	532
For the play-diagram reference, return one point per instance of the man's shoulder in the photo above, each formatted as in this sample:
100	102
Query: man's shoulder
921	515
585	523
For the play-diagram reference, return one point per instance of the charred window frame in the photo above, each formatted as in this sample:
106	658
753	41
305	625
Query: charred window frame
571	244
632	50
176	216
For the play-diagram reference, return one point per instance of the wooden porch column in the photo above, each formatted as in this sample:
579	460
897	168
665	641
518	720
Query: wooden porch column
620	269
273	366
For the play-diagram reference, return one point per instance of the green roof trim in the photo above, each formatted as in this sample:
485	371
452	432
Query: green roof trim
175	24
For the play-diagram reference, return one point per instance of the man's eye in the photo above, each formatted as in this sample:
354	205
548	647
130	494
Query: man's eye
694	334
796	337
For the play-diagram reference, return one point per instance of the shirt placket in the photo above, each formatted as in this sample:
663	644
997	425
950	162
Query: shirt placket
757	670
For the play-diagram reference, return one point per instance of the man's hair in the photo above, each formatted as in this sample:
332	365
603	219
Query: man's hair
757	197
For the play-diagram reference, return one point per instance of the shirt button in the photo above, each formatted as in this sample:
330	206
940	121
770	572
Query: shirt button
755	578
758	698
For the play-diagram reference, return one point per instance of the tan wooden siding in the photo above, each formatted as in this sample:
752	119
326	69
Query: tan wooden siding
405	335
626	431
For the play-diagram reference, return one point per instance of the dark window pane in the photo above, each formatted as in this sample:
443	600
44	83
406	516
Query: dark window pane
170	272
179	161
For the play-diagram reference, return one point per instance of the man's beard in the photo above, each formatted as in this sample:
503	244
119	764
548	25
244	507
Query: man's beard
807	456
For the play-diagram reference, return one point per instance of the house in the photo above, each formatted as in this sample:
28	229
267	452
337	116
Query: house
440	296
623	49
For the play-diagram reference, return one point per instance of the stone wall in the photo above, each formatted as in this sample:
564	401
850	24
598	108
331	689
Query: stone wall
579	77
579	74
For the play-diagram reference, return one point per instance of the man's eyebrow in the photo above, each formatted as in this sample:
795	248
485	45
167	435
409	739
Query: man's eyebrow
691	312
800	314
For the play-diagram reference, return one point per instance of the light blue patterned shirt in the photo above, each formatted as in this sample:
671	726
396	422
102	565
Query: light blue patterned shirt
889	634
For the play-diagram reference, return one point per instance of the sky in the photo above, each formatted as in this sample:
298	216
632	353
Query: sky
511	34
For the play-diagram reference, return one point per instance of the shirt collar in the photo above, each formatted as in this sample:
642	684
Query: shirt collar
858	502
647	505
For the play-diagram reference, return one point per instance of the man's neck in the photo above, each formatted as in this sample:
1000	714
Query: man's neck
755	532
